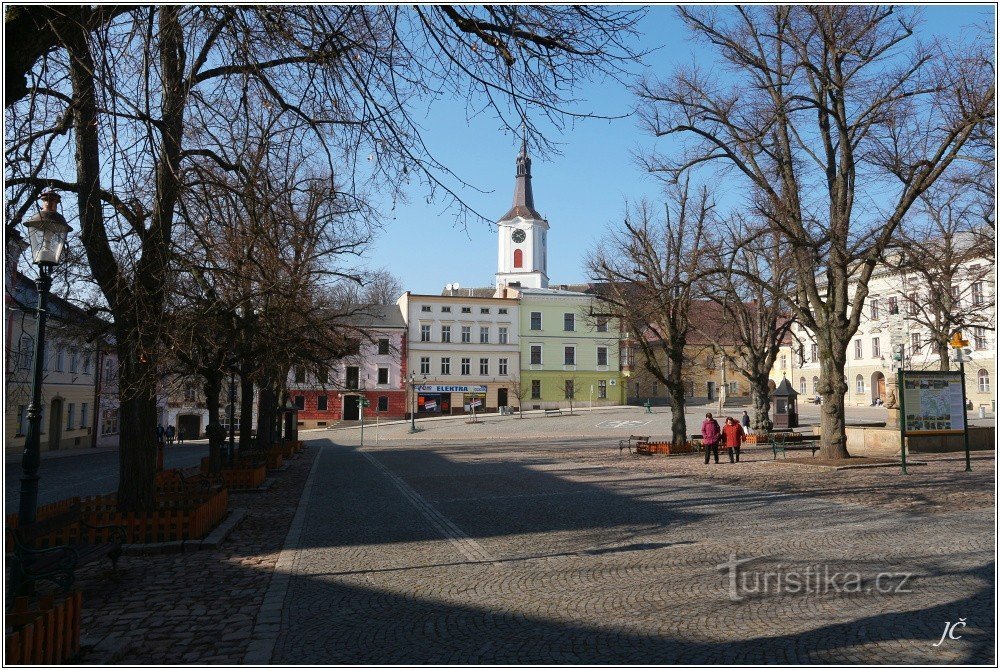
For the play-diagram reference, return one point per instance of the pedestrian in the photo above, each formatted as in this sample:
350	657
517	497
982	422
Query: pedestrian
180	436
170	434
732	433
710	435
159	433
746	423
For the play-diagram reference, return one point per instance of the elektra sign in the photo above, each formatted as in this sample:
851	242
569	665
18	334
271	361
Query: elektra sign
434	388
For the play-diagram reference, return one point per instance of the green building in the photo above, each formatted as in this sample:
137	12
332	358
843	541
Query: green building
569	353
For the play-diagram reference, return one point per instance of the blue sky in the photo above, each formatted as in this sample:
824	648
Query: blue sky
580	191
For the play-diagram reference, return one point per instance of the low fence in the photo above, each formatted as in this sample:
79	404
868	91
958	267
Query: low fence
44	633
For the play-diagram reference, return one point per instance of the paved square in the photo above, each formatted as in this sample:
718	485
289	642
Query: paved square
563	552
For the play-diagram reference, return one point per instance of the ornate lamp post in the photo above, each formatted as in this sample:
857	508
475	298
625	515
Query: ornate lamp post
232	411
47	233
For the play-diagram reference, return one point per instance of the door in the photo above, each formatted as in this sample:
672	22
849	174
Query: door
501	397
711	390
351	412
190	425
55	424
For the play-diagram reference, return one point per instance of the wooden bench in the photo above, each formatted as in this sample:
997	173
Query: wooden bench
36	561
553	412
632	441
784	443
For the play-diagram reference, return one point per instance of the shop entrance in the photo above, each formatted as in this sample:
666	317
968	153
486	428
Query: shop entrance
189	425
501	397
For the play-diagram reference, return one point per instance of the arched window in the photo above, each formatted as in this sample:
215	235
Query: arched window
984	380
860	384
802	385
815	385
518	258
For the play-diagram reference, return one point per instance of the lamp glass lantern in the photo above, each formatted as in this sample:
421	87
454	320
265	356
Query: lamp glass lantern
47	232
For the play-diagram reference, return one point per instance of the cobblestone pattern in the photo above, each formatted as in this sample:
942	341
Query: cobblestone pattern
589	559
198	607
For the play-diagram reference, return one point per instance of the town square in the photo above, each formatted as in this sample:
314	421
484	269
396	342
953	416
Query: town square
500	335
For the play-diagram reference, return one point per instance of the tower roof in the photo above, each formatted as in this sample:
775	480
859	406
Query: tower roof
524	200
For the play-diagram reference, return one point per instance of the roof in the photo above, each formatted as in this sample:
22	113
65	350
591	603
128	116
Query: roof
524	200
25	295
469	292
527	291
379	316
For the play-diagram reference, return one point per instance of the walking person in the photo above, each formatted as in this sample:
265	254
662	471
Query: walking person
180	436
732	434
710	435
170	435
159	433
746	423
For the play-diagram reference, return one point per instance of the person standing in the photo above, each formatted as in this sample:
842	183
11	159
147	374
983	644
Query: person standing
170	434
746	423
710	435
159	433
732	434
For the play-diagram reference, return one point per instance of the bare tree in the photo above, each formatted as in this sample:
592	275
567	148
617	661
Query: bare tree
839	125
649	271
520	391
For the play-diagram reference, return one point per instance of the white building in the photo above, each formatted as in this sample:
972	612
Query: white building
521	259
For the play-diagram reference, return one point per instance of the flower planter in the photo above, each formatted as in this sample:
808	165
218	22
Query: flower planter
667	448
47	633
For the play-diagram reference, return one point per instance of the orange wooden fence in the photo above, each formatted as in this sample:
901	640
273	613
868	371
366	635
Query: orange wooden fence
47	633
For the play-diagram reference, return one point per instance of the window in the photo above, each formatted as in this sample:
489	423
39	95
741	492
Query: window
502	310
518	258
502	334
876	349
466	334
383	375
602	356
977	293
425	365
300	402
323	375
569	355
84	416
783	362
74	360
569	321
914	343
536	321
536	354
109	422
466	310
893	305
570	390
815	385
383	347
802	385
466	366
913	300
484	334
979	337
425	308
859	384
300	374
502	367
189	393
602	389
27	352
425	333
70	416
536	389
446	309
484	310
383	403
874	308
602	324
858	349
322	402
446	365
984	380
353	375
814	352
484	366
22	419
60	359
446	333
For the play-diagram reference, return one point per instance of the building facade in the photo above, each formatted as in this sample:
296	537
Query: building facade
376	373
569	354
462	351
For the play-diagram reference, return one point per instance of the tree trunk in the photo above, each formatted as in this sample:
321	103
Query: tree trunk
678	424
246	407
943	350
760	398
833	389
137	437
214	430
266	406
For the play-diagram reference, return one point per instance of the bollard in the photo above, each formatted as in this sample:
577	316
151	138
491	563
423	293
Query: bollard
982	411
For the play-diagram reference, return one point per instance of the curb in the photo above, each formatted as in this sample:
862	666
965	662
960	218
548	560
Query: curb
267	624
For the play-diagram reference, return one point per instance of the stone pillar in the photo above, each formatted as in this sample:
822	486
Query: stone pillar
892	403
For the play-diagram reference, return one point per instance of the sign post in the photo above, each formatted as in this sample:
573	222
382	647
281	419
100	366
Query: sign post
361	406
960	347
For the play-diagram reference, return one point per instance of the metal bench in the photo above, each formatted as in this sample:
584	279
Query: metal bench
553	412
783	443
35	561
633	441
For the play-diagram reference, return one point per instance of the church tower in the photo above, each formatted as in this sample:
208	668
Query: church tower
521	258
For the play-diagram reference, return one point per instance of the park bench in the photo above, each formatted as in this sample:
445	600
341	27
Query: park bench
553	412
37	561
632	441
784	443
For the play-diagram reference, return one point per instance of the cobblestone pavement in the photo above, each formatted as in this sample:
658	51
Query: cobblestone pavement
564	552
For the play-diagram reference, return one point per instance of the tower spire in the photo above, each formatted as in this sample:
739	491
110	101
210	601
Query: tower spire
524	200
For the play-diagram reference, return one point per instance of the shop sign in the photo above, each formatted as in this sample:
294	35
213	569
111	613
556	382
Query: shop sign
436	388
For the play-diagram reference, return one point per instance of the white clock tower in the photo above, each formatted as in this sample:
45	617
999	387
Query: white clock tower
521	258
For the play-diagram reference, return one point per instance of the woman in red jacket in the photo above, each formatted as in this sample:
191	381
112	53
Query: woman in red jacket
732	434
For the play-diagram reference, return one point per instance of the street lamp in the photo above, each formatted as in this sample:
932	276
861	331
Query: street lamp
232	412
413	402
47	233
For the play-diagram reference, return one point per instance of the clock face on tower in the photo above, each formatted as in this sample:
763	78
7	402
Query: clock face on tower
517	235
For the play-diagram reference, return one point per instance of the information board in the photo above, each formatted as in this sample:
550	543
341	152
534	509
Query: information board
933	402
